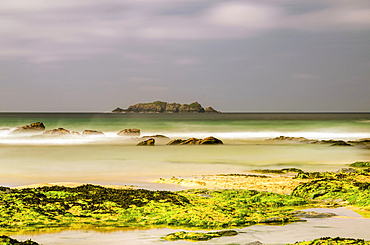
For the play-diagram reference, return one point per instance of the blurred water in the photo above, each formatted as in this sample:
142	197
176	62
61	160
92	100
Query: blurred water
112	159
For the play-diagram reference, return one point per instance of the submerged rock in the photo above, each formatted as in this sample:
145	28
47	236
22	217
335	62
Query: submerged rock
57	131
335	142
254	243
312	214
75	133
34	127
198	236
129	132
92	132
4	129
157	136
294	139
149	142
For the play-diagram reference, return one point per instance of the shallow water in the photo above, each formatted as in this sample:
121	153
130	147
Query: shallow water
349	224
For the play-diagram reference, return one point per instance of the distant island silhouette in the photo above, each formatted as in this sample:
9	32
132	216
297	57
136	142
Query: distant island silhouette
164	107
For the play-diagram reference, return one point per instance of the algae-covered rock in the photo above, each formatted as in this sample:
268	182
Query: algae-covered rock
198	236
5	240
360	164
333	241
312	214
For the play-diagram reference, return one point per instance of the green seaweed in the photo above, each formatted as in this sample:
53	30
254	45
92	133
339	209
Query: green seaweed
334	241
337	189
278	171
49	207
360	164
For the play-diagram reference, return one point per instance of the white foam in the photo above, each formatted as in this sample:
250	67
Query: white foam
112	137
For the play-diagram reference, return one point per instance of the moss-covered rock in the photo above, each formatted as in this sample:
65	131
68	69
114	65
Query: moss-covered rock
334	241
198	236
5	240
360	164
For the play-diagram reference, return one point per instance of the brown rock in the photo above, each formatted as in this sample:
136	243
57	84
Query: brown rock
149	142
210	141
57	131
194	141
4	129
92	132
34	127
75	133
191	141
175	142
129	132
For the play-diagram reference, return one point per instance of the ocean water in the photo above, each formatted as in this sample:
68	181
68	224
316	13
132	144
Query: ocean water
111	159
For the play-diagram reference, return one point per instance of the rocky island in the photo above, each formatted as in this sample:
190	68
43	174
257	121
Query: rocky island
164	107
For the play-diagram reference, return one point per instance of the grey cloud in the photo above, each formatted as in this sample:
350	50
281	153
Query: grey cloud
44	31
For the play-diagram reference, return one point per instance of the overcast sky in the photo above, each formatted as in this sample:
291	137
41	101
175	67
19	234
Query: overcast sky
248	55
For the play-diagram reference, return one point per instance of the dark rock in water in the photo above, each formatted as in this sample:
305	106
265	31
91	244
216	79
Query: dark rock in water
312	214
118	110
347	170
57	131
210	141
34	127
149	142
340	143
164	107
92	132
275	220
293	139
254	243
335	142
129	132
228	233
176	142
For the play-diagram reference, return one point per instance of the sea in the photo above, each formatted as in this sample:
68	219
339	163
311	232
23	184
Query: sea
111	159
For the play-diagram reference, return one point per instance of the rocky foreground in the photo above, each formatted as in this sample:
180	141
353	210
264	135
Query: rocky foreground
91	206
164	107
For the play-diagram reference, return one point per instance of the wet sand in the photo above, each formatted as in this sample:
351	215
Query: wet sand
277	183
